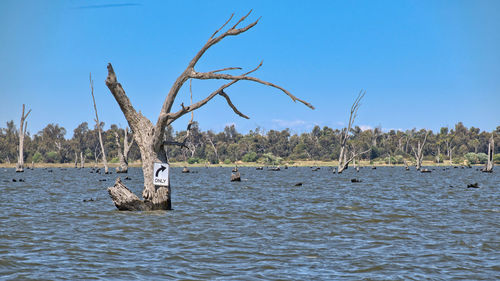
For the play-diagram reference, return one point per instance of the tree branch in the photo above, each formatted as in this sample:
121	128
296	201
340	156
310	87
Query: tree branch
174	90
123	101
232	105
212	75
225	69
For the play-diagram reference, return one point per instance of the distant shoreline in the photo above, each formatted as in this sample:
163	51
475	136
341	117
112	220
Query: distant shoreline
332	164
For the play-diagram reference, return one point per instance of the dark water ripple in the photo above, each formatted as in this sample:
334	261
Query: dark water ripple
393	225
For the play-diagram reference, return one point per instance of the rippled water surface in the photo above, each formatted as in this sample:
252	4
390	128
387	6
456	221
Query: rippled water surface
393	225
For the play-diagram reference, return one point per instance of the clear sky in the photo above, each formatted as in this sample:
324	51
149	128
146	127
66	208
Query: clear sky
424	64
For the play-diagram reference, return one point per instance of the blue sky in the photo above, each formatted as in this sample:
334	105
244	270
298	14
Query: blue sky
424	64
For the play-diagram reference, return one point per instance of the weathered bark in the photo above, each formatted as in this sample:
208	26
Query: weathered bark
150	138
344	136
491	152
22	132
419	152
98	126
125	200
76	160
123	154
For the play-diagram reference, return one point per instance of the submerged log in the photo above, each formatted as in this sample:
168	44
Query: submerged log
236	176
125	200
473	185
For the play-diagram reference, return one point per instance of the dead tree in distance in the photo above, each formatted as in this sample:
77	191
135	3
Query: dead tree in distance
98	126
82	160
344	136
123	154
419	152
150	137
22	132
491	152
76	160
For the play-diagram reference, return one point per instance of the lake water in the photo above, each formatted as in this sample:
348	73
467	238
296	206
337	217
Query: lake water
395	224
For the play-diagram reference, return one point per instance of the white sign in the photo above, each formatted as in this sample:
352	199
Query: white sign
160	174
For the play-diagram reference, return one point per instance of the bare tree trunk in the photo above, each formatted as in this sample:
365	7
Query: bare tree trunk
22	132
419	152
491	152
98	125
82	160
344	136
438	154
97	154
150	138
213	146
76	160
123	154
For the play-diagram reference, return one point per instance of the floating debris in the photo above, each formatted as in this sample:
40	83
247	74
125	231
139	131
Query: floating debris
473	185
236	177
298	184
356	180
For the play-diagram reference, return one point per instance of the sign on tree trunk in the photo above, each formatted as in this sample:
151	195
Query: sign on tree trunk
161	174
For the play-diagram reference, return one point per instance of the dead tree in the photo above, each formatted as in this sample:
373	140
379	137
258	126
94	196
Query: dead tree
76	160
449	149
207	136
123	154
344	136
98	126
22	132
82	160
419	152
150	137
491	152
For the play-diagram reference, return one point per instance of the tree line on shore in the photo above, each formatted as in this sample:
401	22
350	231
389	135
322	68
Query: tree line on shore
454	145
